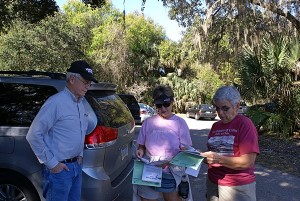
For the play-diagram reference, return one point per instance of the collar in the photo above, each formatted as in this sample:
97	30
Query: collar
72	96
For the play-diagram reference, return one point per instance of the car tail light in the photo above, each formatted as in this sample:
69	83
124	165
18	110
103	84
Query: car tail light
100	137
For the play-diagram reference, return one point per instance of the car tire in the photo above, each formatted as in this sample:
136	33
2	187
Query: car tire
187	115
16	187
197	116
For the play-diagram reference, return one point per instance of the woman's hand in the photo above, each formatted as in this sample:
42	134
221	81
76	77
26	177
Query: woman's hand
211	157
237	163
140	151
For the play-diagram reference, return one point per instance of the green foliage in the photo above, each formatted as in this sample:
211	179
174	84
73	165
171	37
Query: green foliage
197	90
228	73
51	45
125	56
31	11
296	108
55	42
218	30
109	52
83	32
258	116
169	54
207	80
143	37
105	43
271	122
267	77
254	79
85	16
142	34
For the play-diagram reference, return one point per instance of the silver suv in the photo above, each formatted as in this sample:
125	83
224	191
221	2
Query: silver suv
107	162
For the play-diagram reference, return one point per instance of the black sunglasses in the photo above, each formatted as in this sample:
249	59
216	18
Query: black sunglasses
164	104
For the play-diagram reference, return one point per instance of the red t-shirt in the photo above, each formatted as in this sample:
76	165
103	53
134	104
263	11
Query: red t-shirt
235	138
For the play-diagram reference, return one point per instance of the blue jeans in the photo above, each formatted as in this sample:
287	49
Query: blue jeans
65	185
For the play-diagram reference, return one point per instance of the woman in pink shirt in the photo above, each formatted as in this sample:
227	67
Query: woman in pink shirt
160	138
233	146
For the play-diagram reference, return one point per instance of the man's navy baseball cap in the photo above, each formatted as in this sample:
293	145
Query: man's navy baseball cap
83	68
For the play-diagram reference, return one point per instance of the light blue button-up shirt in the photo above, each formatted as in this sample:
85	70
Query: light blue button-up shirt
57	132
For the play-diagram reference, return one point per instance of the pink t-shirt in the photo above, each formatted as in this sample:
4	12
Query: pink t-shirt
235	138
162	137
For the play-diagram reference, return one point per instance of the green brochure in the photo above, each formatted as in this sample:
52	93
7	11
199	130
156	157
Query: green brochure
151	173
188	160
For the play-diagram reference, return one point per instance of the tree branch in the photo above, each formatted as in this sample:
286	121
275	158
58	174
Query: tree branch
273	8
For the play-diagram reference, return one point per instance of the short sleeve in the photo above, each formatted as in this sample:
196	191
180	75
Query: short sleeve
248	138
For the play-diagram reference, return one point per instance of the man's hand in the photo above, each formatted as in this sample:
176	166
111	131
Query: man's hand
59	167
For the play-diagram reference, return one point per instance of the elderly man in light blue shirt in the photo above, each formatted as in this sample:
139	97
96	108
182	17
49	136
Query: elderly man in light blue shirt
57	133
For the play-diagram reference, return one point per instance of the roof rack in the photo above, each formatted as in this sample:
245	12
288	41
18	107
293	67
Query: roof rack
34	72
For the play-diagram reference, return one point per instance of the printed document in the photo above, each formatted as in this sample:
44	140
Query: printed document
138	171
192	162
152	173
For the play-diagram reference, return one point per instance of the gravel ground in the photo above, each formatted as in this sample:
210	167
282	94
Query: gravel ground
280	154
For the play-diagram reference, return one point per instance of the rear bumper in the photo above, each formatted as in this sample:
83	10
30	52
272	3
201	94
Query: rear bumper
208	115
96	185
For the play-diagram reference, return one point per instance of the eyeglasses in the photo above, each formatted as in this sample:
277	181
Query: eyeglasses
164	104
87	83
223	108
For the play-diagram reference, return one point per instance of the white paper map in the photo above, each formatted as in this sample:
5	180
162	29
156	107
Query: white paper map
152	173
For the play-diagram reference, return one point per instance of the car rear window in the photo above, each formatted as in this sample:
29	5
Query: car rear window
128	99
206	107
109	108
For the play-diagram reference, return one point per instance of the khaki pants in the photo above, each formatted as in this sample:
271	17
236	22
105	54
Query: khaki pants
230	193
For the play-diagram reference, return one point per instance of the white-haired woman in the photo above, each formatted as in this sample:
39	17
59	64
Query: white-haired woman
232	149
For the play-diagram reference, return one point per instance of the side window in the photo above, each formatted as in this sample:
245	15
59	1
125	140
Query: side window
19	103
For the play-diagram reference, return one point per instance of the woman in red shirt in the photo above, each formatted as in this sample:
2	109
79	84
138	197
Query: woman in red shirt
232	149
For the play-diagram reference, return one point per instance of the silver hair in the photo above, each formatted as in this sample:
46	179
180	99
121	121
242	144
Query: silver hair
69	74
228	93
